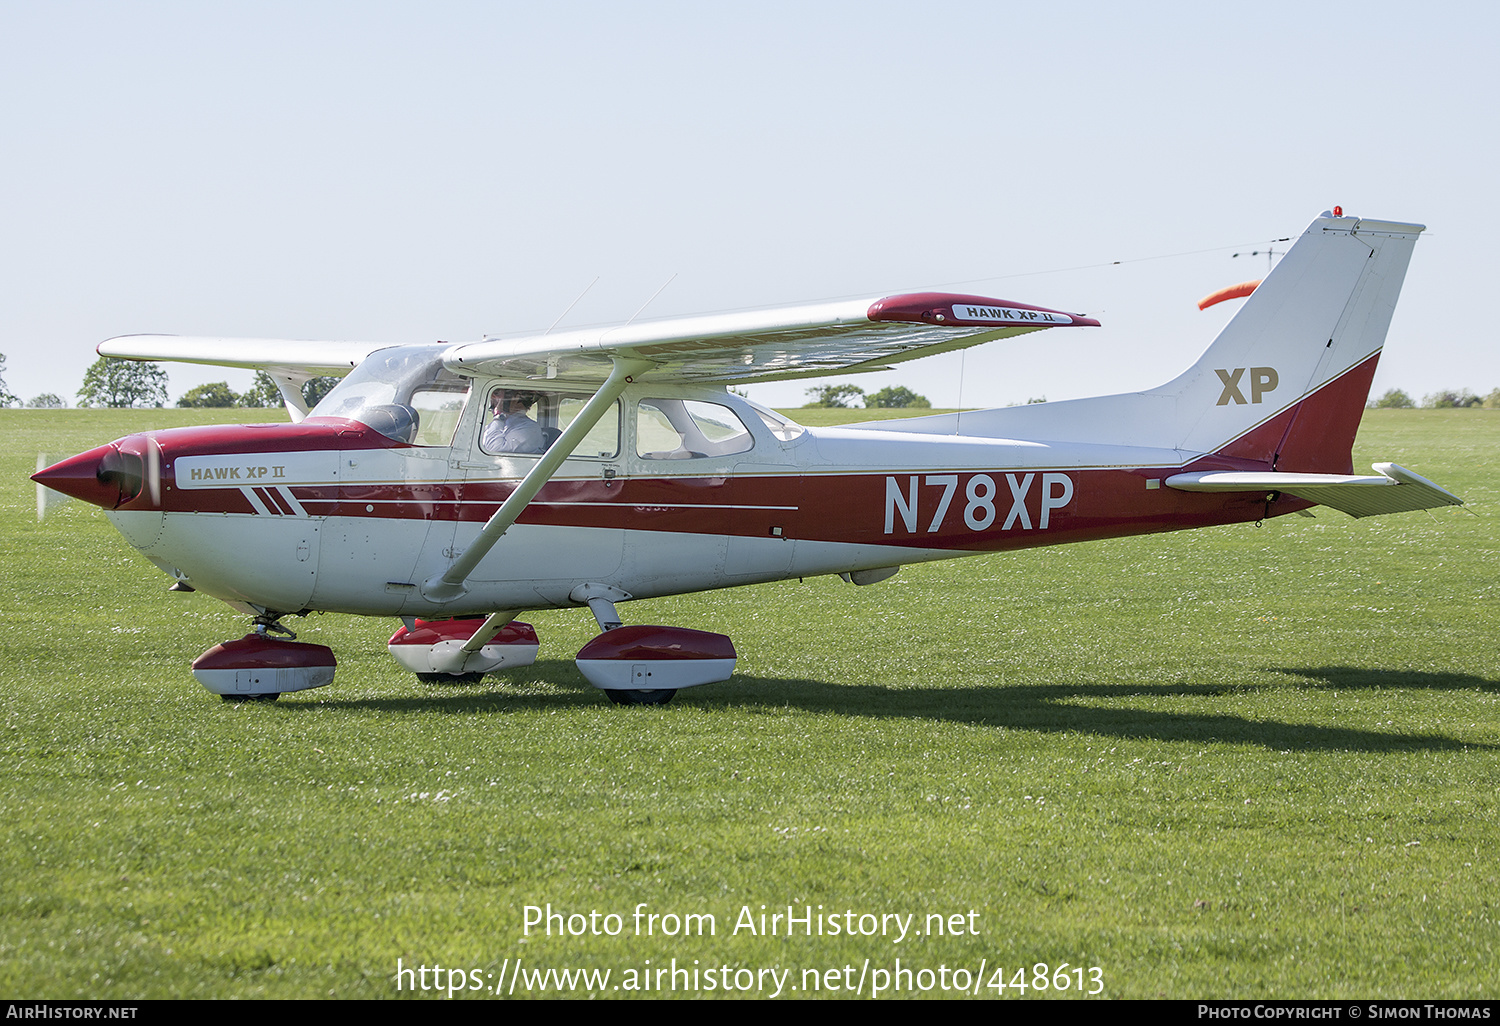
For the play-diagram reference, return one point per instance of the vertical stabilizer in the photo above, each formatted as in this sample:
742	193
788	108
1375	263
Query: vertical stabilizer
1287	379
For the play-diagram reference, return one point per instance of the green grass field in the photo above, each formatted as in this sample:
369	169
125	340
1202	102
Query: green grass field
1238	762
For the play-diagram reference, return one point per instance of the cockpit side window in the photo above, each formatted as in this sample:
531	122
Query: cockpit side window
685	429
439	408
526	422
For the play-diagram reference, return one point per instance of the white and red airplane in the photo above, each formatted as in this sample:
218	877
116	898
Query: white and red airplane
458	485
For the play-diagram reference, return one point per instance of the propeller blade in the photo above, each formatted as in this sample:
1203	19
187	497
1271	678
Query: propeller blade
47	499
153	469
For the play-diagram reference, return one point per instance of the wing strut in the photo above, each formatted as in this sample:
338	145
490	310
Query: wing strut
289	383
450	585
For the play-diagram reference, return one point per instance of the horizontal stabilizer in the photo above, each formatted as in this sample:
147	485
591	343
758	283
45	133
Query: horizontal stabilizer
1394	490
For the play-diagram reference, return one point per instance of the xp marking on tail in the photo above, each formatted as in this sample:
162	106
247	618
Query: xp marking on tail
654	479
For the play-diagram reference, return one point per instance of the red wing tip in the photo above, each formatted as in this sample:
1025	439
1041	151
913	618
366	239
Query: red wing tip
948	309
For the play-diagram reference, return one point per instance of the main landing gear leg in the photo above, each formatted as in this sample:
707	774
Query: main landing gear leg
463	651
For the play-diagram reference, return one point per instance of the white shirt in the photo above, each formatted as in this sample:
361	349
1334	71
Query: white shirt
515	433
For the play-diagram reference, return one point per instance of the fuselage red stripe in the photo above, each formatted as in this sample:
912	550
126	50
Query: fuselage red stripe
969	510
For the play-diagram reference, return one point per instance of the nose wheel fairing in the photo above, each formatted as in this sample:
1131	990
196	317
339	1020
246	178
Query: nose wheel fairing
258	666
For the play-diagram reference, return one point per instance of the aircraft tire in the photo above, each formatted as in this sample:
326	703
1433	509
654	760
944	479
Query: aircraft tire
450	678
654	696
244	699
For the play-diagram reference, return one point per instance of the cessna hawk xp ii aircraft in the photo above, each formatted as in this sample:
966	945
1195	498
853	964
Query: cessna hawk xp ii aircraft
456	486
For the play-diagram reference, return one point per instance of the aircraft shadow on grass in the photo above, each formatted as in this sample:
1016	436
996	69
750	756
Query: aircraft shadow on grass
1050	708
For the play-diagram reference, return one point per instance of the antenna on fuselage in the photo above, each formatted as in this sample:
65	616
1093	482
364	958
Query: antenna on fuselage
571	305
958	418
653	296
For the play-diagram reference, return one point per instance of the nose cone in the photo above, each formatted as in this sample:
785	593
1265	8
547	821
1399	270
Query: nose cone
104	476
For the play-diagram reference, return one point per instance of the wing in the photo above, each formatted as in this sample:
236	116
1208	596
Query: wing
768	345
762	345
312	359
1395	490
290	363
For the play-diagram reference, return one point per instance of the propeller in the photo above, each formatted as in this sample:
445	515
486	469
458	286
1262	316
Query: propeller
107	476
46	498
153	469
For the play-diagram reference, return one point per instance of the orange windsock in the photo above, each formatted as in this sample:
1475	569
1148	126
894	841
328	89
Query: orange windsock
1239	291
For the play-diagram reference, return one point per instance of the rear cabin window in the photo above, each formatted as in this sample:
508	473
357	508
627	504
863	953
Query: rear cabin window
686	429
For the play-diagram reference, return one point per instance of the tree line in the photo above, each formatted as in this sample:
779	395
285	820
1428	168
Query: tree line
1449	399
843	397
121	384
840	397
126	384
262	393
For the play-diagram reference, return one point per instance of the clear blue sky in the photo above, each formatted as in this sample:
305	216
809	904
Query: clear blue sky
423	171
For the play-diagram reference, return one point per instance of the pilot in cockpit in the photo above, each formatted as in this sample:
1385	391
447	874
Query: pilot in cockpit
513	430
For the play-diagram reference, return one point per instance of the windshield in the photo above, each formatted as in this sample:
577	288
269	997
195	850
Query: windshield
403	392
